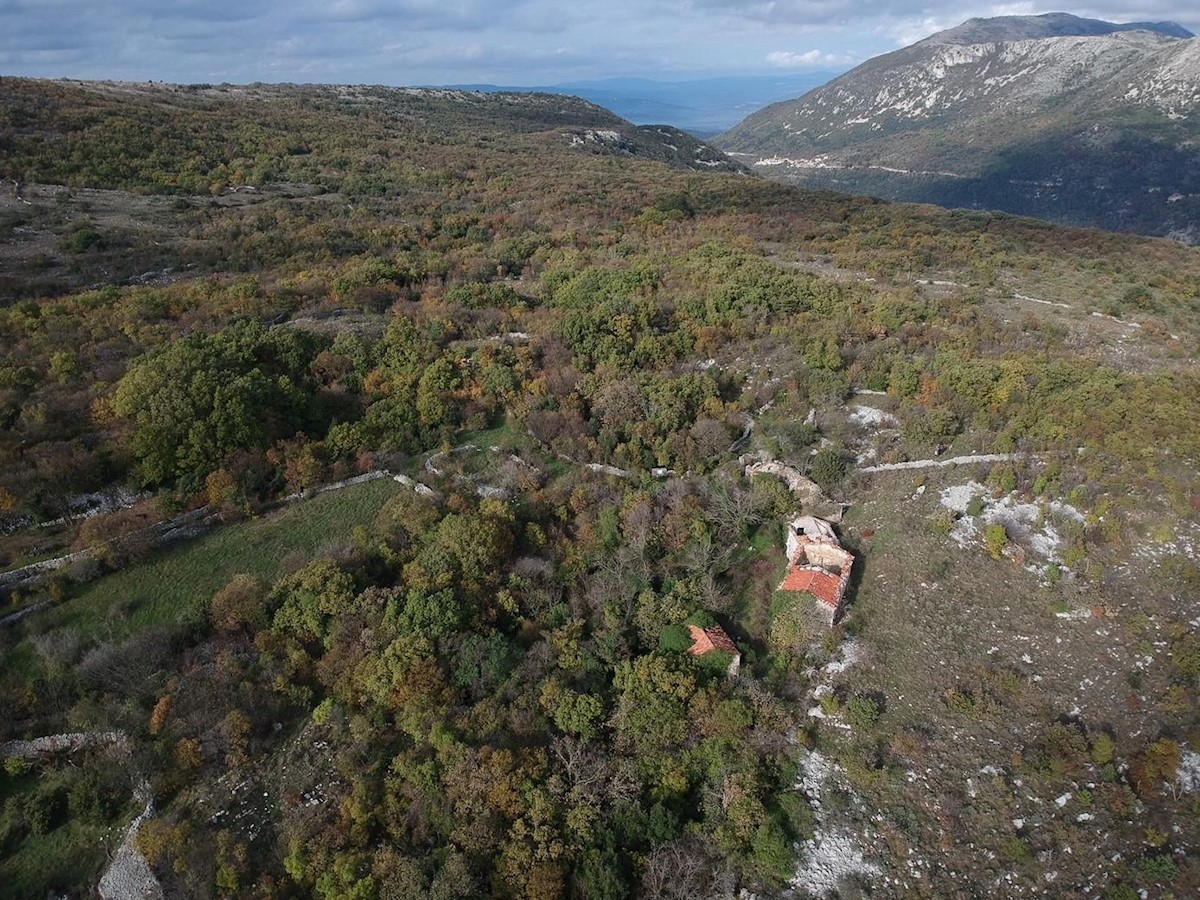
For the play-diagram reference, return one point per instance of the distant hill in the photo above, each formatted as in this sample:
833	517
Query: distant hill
460	116
1073	120
702	106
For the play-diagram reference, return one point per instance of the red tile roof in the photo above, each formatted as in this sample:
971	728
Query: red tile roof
705	640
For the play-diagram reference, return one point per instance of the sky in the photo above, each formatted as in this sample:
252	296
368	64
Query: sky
514	42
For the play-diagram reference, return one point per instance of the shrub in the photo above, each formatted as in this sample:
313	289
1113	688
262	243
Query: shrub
1003	479
1159	868
237	738
1102	749
83	240
59	646
943	523
863	712
83	570
95	798
828	468
188	754
963	702
1154	767
159	840
117	538
1074	554
996	538
1014	848
716	661
42	810
162	709
772	854
323	711
126	668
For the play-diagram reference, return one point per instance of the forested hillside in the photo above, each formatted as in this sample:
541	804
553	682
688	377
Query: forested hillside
553	343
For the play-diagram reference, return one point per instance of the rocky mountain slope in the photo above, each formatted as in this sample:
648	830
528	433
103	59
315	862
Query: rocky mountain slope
1073	120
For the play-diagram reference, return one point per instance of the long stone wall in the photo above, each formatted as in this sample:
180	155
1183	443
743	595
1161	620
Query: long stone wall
63	743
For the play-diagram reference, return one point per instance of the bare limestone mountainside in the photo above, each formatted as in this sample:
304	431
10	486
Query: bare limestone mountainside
1072	120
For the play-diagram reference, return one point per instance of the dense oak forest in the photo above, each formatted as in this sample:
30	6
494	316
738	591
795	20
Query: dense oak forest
558	337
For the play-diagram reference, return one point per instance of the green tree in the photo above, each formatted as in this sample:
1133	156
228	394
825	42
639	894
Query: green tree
573	712
309	600
242	603
64	366
434	391
438	614
652	700
199	399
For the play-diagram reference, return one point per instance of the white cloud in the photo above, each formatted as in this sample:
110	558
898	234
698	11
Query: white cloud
786	59
908	31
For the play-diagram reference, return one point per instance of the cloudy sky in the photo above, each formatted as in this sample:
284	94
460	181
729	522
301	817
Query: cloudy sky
503	41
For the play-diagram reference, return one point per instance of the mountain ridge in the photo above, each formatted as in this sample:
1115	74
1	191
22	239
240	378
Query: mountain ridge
999	28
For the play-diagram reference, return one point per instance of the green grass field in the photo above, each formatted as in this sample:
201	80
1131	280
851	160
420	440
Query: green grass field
176	583
44	864
34	866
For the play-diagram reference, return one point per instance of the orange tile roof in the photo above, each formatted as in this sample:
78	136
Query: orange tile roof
705	640
823	585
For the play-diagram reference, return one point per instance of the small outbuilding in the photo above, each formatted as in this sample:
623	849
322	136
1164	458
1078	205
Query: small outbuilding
713	638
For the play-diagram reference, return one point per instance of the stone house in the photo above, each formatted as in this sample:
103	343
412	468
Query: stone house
817	564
